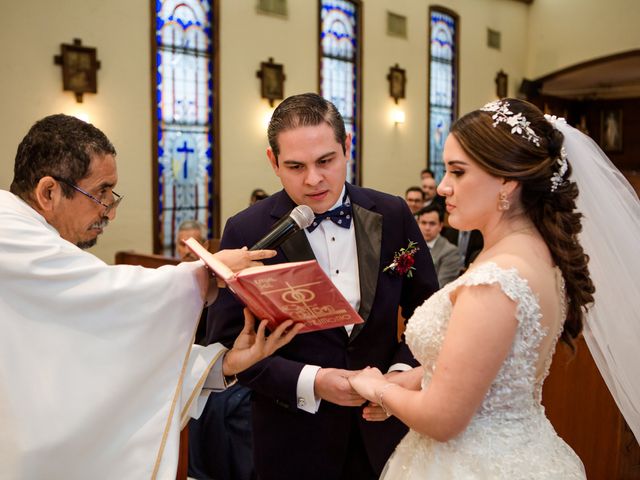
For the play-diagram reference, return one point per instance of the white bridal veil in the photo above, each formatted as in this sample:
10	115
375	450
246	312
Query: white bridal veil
611	238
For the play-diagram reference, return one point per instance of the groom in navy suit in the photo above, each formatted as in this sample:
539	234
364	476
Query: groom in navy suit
307	421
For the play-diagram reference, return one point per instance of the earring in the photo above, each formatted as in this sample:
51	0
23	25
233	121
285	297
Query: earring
503	202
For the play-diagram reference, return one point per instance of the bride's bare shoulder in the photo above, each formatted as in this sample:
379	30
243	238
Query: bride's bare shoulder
527	266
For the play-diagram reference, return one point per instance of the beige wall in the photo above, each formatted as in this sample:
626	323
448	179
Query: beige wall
568	32
31	88
247	39
30	84
393	155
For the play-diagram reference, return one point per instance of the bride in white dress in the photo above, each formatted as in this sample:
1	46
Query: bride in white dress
485	341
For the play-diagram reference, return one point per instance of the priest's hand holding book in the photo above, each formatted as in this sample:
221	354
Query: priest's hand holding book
298	291
235	260
251	345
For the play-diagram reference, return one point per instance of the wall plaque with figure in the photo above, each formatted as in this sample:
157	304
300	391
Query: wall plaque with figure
397	82
79	68
272	78
611	130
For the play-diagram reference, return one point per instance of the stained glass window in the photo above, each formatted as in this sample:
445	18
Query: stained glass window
443	83
339	68
184	114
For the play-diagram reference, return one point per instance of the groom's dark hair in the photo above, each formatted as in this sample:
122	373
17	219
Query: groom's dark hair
305	110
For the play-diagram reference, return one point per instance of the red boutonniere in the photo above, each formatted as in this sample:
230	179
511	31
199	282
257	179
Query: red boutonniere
403	260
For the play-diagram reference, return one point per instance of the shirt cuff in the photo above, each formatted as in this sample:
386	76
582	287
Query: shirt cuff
215	380
305	396
399	367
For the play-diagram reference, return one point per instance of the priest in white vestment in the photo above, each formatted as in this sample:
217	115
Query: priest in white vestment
98	373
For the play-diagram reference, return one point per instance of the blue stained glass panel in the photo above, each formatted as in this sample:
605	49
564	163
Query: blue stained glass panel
184	110
441	77
338	66
442	83
439	125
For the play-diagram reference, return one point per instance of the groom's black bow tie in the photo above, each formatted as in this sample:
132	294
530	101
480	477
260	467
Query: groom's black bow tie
341	216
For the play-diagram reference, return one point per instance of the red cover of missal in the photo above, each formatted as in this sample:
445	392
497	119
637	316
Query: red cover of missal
300	291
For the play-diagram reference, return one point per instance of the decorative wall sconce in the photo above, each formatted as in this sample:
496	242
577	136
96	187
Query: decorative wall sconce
397	81
272	79
79	68
502	81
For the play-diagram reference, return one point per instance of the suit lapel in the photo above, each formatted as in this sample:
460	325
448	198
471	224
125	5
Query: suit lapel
368	227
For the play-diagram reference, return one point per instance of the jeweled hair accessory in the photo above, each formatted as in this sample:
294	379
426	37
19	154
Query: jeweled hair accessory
517	121
557	179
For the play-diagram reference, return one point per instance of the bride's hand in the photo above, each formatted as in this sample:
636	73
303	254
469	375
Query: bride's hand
366	383
251	346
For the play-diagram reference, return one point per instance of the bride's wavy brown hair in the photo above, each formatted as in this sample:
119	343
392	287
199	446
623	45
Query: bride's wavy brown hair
511	156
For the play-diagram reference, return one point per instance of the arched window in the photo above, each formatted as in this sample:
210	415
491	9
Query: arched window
443	83
340	69
184	142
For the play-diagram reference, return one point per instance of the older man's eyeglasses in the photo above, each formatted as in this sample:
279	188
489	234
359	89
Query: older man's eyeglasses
107	207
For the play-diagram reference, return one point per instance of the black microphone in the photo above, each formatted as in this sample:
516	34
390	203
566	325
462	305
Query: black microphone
299	218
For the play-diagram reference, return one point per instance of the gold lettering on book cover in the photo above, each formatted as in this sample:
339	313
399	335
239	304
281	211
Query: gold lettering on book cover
298	304
264	283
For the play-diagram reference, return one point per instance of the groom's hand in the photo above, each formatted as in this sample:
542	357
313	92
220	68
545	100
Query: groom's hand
332	385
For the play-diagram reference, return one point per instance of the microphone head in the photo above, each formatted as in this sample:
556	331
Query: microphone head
303	216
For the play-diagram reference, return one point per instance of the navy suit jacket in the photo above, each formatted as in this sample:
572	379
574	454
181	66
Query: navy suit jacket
291	443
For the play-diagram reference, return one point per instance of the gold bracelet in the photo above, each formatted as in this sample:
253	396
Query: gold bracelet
381	397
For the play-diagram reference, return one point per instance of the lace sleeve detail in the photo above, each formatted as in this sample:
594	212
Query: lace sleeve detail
519	369
512	285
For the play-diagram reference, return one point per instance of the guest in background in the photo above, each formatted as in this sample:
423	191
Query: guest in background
414	198
188	229
257	195
429	186
425	173
445	255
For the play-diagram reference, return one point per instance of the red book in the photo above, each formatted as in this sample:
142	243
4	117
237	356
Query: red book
299	291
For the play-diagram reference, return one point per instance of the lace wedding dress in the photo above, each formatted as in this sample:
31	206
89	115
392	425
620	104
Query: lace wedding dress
509	437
